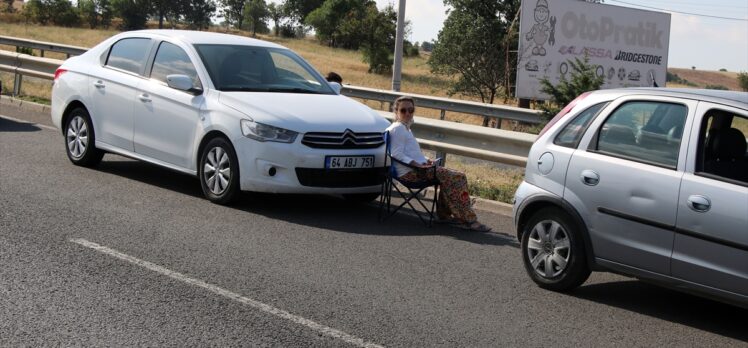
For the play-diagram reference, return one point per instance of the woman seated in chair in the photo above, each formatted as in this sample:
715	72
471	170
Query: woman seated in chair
453	205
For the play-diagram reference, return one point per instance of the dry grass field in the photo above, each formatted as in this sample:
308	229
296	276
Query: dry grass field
702	78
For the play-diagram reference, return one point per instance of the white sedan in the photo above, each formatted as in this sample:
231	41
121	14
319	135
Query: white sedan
238	113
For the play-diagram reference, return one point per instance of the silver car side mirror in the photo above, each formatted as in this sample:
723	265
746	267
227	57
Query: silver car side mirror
335	87
182	83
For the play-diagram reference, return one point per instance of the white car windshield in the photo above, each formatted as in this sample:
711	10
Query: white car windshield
260	69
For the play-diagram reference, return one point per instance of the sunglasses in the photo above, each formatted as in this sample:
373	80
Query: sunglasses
408	110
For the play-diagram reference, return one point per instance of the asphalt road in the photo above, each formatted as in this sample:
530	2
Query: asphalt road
130	254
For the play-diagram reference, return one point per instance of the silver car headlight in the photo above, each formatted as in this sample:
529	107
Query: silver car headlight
263	132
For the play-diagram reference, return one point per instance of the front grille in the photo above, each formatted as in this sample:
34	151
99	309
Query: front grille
320	177
346	140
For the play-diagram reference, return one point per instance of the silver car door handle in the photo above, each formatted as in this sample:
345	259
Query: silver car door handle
144	98
99	84
699	203
590	177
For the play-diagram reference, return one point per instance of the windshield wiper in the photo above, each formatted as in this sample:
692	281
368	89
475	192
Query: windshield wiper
293	90
244	89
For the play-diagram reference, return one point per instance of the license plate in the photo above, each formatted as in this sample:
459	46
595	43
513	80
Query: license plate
349	162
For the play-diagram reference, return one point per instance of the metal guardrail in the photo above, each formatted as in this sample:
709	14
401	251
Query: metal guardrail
495	145
43	46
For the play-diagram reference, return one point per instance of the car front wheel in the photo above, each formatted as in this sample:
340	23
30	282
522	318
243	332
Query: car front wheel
80	139
219	171
553	251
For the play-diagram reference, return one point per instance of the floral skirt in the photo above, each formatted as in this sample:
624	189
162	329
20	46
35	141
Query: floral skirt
454	199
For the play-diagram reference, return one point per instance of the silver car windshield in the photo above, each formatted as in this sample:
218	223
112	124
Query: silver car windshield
260	69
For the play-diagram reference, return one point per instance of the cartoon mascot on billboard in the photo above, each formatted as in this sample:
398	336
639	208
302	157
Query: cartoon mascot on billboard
541	31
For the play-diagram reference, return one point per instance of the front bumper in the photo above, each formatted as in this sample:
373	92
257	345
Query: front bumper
297	168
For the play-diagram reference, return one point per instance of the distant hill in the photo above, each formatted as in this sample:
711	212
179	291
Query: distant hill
702	78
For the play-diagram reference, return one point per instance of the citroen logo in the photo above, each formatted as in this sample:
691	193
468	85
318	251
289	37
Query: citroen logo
349	137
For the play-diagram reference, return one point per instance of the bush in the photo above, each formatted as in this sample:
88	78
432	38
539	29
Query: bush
378	58
288	31
718	87
723	70
743	80
25	50
582	79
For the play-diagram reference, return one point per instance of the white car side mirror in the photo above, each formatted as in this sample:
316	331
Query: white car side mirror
335	87
182	83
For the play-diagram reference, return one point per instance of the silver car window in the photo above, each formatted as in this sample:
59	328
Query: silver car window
129	54
170	59
644	131
723	148
573	131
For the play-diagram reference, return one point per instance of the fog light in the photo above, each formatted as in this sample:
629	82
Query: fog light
271	171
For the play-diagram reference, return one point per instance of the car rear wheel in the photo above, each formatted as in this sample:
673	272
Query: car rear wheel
219	171
553	251
80	139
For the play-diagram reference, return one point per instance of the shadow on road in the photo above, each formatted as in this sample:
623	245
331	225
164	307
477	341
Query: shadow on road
337	214
152	175
318	211
7	125
677	307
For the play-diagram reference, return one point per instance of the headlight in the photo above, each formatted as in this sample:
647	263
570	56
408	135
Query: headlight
263	132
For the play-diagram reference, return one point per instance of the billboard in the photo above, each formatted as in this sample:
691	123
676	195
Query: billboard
628	46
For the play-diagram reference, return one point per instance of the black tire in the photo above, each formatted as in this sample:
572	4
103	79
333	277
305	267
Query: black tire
547	249
216	187
80	139
361	197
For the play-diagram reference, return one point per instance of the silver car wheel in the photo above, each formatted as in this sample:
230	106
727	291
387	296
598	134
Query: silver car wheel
548	248
217	170
77	137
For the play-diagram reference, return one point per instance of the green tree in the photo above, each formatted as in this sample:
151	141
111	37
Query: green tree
472	48
39	11
134	13
743	80
95	12
256	12
337	22
65	14
197	13
297	10
582	78
276	13
233	11
378	38
8	8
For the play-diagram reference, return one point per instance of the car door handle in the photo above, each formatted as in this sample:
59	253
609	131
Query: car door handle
699	203
590	177
99	84
144	98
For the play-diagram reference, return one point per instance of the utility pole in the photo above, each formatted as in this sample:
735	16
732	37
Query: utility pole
397	66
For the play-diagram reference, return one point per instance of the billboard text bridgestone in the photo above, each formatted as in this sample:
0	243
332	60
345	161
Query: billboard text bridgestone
627	46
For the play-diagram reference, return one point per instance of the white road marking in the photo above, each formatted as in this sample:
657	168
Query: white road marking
27	122
327	331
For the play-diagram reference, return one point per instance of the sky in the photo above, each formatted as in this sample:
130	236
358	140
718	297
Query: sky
704	42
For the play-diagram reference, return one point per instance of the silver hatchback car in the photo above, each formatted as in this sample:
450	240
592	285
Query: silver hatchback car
651	183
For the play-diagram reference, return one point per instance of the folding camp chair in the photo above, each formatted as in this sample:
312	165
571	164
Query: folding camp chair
411	191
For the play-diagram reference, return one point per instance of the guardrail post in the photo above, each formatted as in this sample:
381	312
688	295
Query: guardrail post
41	52
442	154
17	84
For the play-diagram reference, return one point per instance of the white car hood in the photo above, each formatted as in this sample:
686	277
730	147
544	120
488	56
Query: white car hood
306	112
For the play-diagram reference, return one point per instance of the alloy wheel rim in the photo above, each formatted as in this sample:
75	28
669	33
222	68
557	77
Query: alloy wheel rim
548	248
217	170
77	137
